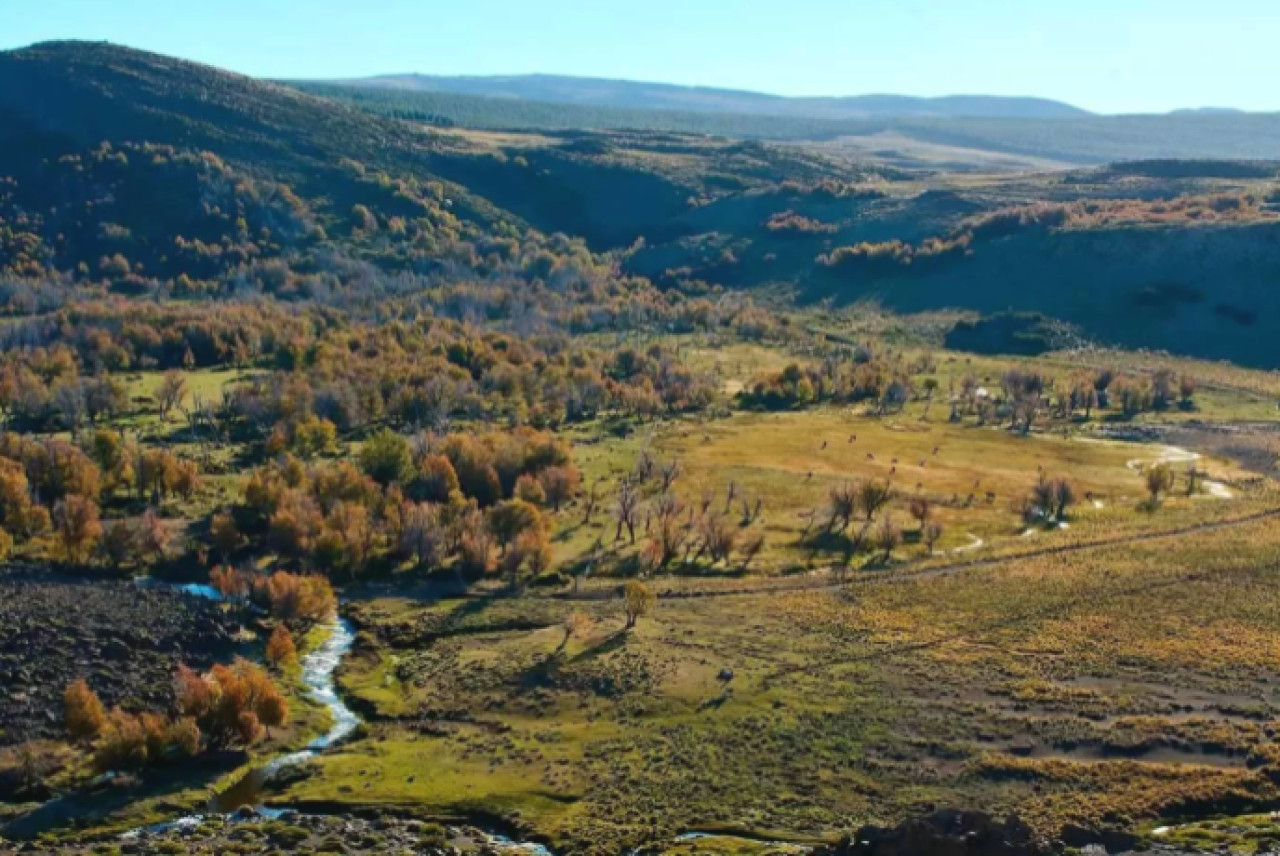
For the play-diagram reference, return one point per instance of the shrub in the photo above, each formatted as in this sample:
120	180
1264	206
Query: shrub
637	601
85	717
231	705
385	457
306	599
280	647
123	743
436	479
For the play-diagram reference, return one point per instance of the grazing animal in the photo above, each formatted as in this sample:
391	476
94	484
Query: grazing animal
870	457
809	476
892	470
936	449
894	461
824	444
853	437
923	462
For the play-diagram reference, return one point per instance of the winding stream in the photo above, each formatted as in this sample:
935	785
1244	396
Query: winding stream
318	668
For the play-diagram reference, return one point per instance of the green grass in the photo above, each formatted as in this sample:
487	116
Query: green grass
792	461
865	704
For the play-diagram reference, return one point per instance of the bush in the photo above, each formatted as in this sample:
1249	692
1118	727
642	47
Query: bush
280	647
290	597
231	705
385	457
123	744
85	717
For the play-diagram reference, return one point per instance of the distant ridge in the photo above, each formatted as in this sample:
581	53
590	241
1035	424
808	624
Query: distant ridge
601	92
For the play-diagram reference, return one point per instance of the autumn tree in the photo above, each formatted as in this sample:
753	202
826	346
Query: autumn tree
528	557
530	490
78	527
509	519
1164	385
637	601
386	458
280	648
120	543
436	479
122	744
300	599
422	534
83	713
1186	391
225	534
575	624
313	435
232	705
114	458
842	505
1159	479
718	536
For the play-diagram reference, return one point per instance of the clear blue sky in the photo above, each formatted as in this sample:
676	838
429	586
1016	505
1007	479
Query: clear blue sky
1106	55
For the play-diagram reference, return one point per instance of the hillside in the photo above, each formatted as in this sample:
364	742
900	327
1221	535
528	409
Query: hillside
631	95
213	184
1070	138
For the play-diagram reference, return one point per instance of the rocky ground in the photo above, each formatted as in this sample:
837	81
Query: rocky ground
248	834
124	639
944	833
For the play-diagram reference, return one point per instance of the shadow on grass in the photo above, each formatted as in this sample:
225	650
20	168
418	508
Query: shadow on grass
95	805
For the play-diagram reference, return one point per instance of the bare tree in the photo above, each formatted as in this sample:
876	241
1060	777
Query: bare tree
888	536
170	392
627	511
872	496
668	474
921	509
930	534
590	503
751	548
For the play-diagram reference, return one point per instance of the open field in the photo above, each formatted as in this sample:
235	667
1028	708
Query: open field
1134	679
971	476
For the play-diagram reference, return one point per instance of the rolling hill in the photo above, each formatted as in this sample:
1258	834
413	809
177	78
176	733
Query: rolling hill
167	178
1051	133
631	95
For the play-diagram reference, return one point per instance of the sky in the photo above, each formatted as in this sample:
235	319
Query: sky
1110	56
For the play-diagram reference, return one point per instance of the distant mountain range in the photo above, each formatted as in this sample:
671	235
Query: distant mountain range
631	95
